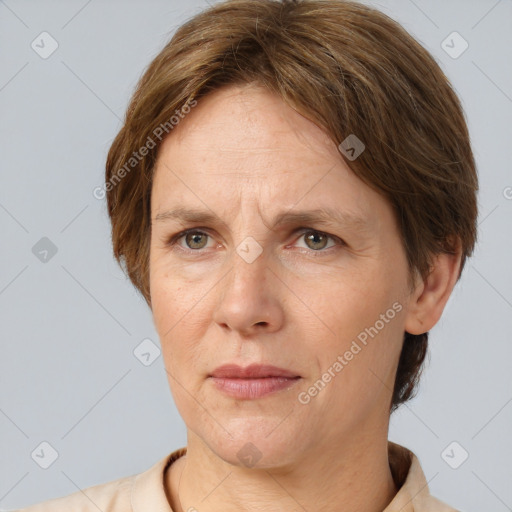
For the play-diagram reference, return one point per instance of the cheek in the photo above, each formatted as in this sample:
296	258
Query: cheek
165	307
349	303
171	313
364	316
181	311
170	296
176	315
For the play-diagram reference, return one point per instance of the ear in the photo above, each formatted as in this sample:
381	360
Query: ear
431	294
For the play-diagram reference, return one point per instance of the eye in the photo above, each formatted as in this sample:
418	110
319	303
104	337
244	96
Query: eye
193	238
317	240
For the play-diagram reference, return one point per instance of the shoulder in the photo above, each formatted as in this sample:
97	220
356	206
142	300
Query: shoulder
136	493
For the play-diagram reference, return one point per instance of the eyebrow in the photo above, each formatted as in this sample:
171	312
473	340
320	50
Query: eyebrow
323	216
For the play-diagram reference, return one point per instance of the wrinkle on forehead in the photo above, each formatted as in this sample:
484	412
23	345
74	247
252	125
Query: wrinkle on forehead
242	111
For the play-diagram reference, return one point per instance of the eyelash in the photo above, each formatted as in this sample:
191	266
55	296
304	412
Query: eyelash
175	238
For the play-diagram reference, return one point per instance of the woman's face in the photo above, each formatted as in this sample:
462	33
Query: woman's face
325	300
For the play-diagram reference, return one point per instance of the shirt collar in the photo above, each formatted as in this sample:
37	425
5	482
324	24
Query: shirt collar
409	479
148	491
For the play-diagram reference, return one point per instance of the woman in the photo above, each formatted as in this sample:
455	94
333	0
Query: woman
293	192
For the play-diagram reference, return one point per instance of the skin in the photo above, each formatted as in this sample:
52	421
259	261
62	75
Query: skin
244	156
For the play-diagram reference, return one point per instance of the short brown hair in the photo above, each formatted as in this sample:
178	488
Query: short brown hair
348	68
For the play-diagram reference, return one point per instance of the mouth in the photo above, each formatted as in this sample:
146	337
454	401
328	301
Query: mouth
251	382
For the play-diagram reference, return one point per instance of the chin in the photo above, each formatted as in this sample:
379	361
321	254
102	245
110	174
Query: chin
256	443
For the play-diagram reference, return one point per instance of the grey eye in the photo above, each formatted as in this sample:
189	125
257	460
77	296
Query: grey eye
193	239
316	240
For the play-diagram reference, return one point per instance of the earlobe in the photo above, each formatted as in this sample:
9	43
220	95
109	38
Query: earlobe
431	294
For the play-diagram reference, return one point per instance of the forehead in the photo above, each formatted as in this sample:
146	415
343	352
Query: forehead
246	121
242	144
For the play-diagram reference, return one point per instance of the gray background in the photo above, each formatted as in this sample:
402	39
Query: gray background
69	325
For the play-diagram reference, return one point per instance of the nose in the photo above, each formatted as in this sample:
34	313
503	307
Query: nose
250	298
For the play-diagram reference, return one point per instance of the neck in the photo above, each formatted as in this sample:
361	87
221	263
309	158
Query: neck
350	477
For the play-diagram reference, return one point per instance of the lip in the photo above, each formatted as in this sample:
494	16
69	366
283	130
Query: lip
253	381
253	371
